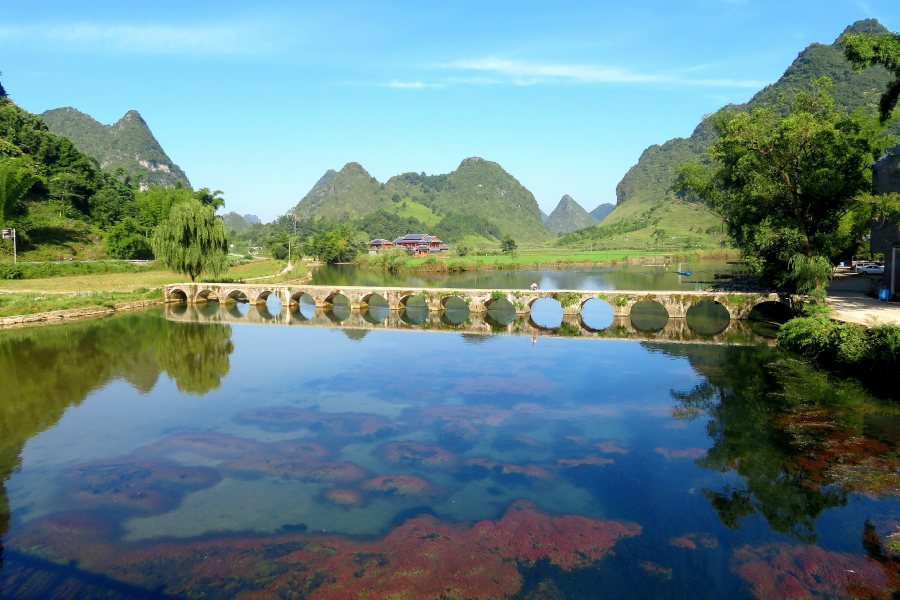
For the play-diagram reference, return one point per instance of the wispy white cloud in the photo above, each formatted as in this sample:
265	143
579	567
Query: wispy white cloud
522	72
144	39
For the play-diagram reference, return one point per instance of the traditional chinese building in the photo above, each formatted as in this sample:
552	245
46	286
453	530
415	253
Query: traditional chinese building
380	244
420	244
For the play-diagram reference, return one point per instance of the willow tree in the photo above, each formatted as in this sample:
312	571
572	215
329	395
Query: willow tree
192	241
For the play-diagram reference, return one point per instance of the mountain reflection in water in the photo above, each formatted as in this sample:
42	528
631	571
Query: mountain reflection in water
347	454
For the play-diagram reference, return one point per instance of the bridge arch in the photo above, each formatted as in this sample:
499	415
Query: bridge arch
176	295
374	297
649	315
546	313
236	296
262	296
302	297
708	317
206	296
596	314
405	299
770	311
338	298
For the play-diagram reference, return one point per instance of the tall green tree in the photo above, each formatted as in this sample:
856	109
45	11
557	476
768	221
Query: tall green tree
192	240
867	49
16	181
335	245
508	244
784	185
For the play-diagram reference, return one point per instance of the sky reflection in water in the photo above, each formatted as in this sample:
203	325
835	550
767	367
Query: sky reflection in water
490	465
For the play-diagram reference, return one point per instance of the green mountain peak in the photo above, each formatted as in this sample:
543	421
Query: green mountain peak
645	199
568	216
128	143
478	192
602	211
865	26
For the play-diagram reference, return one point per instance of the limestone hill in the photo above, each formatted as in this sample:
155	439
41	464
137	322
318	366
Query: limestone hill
128	143
478	193
602	211
568	216
645	201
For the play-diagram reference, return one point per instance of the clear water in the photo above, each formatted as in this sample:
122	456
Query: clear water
235	452
634	277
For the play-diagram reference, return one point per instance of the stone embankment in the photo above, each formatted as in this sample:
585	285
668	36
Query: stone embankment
60	316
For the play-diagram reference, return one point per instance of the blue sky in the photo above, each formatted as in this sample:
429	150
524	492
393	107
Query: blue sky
259	99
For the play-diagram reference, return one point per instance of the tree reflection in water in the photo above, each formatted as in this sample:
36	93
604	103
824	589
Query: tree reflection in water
796	436
45	370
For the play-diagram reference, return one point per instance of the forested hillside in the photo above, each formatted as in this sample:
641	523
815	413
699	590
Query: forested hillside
645	191
64	206
477	199
568	216
128	144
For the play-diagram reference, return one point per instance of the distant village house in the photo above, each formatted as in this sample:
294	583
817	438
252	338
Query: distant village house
419	244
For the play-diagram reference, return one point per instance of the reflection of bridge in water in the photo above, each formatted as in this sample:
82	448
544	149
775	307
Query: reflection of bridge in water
702	331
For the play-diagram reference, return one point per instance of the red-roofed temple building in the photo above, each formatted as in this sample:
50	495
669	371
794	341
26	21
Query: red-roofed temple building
419	244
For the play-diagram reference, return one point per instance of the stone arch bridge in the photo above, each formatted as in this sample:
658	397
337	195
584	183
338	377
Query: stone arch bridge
676	303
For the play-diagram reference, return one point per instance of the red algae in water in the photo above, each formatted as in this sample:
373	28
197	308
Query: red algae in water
783	571
345	497
681	453
411	454
351	425
216	446
657	569
294	468
404	485
692	540
133	484
301	448
610	447
463	420
501	468
422	559
590	459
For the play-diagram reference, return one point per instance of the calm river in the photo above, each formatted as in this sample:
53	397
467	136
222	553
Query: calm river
236	452
635	277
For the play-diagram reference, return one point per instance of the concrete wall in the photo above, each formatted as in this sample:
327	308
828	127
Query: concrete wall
886	180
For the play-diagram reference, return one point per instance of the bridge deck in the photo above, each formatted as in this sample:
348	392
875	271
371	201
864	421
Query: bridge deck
676	303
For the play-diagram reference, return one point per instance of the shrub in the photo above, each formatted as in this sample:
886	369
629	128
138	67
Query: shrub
844	346
11	271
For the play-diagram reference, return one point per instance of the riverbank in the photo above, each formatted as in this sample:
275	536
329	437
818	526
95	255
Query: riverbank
66	297
71	314
72	282
869	353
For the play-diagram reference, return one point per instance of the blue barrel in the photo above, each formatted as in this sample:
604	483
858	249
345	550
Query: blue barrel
884	294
